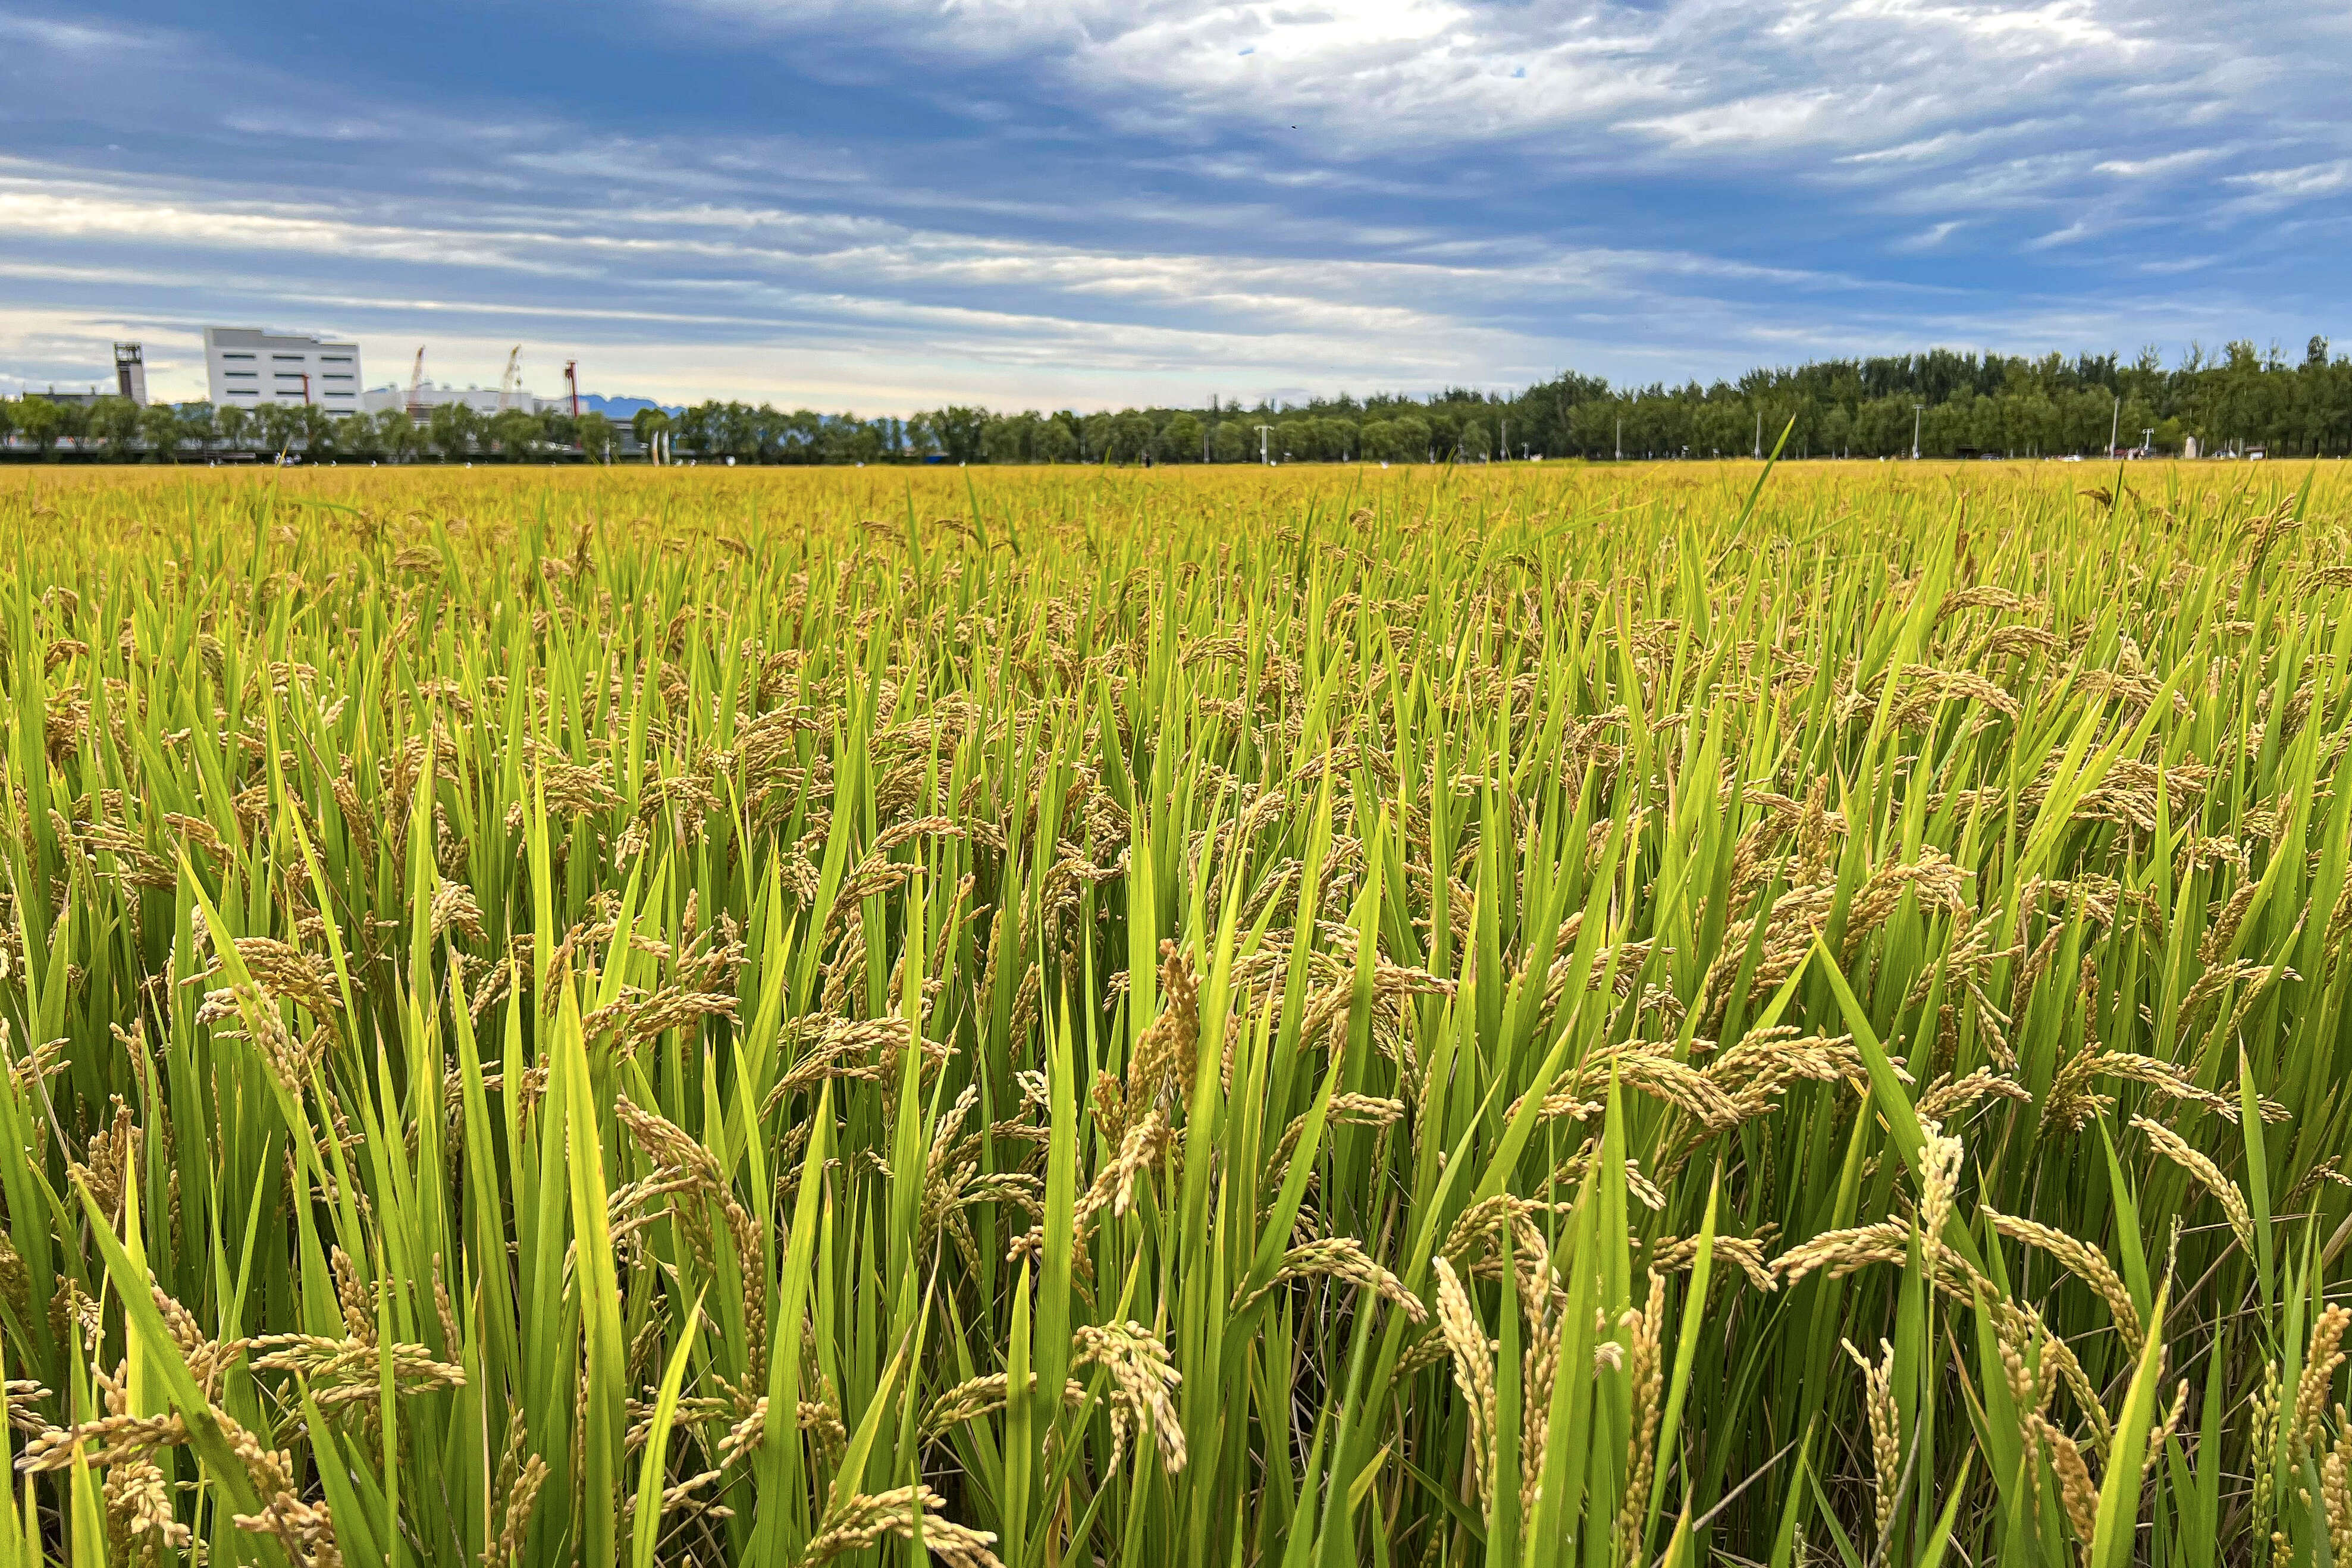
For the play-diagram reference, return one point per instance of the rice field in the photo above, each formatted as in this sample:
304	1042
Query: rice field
1068	1016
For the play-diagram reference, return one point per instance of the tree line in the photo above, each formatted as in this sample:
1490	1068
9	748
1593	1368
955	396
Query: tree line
1939	404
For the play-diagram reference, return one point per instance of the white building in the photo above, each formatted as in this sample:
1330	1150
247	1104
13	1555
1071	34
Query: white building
245	367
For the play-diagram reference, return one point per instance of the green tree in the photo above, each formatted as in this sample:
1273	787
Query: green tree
1095	436
310	430
1408	434
647	424
1836	431
1229	441
273	428
395	435
596	433
198	424
1180	439
451	430
959	431
1131	436
115	421
159	430
358	435
235	425
43	424
1056	443
513	435
1010	437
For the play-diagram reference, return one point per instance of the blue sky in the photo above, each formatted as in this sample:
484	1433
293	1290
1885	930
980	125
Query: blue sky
886	204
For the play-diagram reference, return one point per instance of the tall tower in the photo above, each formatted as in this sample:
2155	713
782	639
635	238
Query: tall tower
131	371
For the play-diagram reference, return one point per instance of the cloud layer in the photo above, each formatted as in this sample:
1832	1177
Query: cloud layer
895	202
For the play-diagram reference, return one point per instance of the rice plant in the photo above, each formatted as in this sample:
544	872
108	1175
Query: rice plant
1540	1016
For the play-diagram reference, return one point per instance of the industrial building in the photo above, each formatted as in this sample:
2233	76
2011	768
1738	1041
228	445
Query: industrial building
422	396
425	396
130	373
245	367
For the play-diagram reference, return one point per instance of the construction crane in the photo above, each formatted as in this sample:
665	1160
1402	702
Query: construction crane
415	404
572	384
512	380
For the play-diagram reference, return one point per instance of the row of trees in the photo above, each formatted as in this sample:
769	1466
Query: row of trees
121	429
1940	404
1950	405
1947	404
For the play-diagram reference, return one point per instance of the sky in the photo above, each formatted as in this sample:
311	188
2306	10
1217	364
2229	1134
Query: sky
891	204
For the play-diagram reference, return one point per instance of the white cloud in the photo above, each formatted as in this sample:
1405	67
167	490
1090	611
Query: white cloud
2157	167
829	280
2299	183
1695	75
1930	237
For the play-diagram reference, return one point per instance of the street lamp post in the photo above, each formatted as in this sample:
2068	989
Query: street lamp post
2115	426
1916	409
1264	431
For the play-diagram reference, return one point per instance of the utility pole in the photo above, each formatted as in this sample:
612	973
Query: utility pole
1263	432
1916	409
1759	434
1507	440
2147	440
1621	437
2115	425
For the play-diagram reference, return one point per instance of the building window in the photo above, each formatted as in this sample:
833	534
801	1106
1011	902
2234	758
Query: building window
240	374
334	359
297	358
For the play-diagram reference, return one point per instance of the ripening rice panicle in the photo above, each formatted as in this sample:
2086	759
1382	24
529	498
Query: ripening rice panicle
2336	1486
2209	1176
512	977
1885	1432
2077	1493
907	1512
1473	1375
1645	1376
2320	1364
1141	1382
2085	1263
2264	1442
1939	1175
